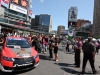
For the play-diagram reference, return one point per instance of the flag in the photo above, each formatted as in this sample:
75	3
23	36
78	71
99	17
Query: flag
6	1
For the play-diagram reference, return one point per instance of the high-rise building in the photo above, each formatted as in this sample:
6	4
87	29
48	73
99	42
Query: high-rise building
81	22
15	15
32	23
60	29
72	17
96	19
43	22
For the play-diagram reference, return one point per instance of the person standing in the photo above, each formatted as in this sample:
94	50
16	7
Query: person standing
56	49
89	51
50	47
77	52
67	47
35	43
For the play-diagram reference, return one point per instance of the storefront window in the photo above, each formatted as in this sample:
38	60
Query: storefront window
3	20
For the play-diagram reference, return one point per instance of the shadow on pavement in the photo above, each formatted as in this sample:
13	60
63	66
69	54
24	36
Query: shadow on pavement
16	73
66	67
65	64
71	71
20	72
43	57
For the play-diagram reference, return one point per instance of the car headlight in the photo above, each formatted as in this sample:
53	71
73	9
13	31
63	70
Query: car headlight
36	56
8	59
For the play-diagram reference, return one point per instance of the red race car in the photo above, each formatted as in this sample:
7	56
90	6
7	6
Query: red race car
16	55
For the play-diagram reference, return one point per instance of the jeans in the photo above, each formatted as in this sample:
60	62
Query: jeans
44	48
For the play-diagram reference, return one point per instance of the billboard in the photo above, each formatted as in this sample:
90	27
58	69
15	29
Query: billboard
30	13
70	34
72	16
72	24
18	8
5	3
22	3
30	8
66	32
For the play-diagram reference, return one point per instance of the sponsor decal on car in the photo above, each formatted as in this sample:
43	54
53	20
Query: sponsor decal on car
23	53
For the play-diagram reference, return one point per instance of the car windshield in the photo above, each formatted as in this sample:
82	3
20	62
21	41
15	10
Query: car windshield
17	42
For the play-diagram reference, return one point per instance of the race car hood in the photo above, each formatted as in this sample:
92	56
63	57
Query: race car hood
23	52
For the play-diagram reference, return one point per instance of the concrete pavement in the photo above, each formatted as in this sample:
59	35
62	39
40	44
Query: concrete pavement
63	67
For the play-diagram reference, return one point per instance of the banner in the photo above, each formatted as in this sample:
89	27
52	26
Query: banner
5	3
18	9
70	33
72	16
30	13
21	3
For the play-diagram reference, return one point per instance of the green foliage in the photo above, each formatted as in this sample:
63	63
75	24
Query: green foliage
98	37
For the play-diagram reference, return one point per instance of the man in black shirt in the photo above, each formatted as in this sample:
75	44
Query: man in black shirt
50	47
89	52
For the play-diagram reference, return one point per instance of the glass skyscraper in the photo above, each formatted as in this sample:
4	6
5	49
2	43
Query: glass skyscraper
43	22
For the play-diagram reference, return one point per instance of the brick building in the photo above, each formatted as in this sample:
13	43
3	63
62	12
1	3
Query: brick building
81	22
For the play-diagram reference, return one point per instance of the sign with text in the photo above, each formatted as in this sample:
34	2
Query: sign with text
18	9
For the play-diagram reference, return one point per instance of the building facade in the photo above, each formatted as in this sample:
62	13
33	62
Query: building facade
15	15
60	30
72	17
32	23
96	19
53	32
43	22
81	22
84	31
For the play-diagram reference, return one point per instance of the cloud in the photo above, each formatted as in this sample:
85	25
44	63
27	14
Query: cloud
41	0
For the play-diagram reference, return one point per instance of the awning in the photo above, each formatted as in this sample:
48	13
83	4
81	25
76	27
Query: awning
20	28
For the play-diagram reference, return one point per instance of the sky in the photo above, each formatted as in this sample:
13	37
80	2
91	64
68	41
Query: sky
58	9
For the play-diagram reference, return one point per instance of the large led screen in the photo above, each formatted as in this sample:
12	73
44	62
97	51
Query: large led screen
22	3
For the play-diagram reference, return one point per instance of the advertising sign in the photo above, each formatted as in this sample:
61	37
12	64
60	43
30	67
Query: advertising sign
72	25
66	32
70	34
5	3
18	8
30	11
72	16
22	3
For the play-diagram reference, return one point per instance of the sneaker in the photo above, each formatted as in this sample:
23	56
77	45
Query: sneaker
56	60
44	52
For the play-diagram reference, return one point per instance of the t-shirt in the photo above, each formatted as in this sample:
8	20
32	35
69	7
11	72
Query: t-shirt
50	43
88	47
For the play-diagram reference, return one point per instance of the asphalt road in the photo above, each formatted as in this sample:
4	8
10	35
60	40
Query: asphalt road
63	67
